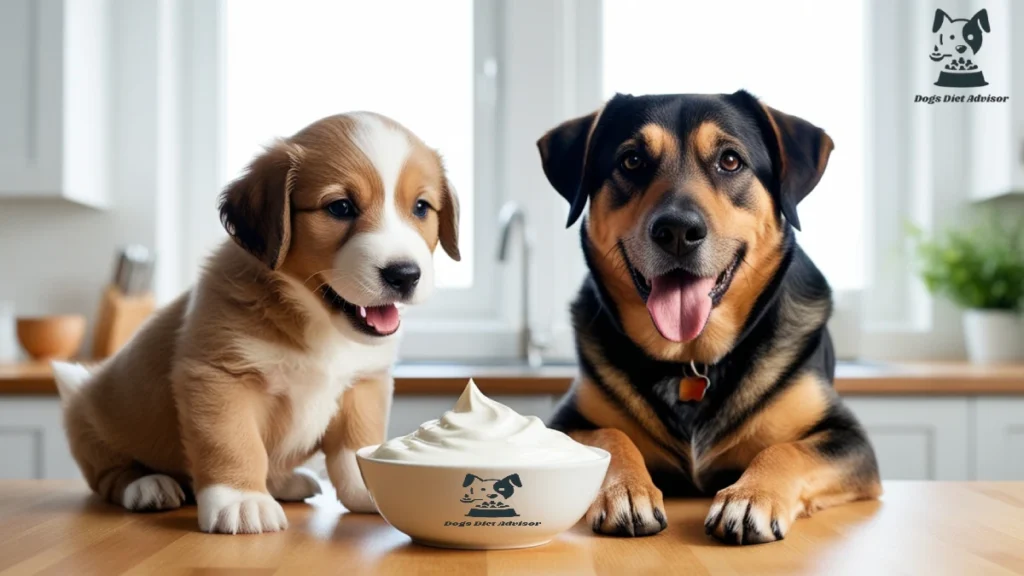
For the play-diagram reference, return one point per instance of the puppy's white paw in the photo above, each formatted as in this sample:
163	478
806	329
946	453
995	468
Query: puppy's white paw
153	492
229	511
295	487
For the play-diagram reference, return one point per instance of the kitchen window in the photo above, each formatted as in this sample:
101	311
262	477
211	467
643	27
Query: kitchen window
481	80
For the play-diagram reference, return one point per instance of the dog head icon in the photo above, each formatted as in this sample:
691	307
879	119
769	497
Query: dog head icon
956	42
490	497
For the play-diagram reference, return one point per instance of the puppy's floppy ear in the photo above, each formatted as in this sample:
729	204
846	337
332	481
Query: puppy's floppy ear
448	230
981	19
799	152
940	16
563	153
469	479
256	208
514	479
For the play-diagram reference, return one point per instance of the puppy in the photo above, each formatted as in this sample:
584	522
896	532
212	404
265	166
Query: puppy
959	40
491	498
285	345
706	367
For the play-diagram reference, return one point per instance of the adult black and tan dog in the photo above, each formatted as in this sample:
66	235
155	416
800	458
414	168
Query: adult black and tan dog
706	366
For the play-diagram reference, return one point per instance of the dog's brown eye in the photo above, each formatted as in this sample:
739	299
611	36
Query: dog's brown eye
631	161
729	161
342	209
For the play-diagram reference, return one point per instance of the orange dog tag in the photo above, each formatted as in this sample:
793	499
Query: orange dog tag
692	388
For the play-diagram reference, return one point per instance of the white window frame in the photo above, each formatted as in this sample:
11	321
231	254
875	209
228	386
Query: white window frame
546	54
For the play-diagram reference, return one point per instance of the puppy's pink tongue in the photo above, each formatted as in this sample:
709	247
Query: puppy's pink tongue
383	319
680	305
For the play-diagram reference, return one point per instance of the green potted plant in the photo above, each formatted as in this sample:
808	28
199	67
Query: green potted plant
981	269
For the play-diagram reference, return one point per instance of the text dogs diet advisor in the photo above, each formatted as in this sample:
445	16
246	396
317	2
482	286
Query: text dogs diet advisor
961	98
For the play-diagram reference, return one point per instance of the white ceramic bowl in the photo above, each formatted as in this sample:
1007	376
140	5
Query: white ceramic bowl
449	507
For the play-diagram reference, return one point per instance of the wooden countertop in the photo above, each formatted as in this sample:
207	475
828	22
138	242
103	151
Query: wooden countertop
925	378
49	527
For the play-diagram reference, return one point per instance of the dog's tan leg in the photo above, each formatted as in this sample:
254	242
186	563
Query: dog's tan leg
114	476
294	486
785	481
629	503
361	421
227	458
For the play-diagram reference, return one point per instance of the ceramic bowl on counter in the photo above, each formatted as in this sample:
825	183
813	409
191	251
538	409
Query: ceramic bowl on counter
47	338
483	477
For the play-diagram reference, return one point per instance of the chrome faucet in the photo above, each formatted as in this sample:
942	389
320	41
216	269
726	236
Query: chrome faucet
530	346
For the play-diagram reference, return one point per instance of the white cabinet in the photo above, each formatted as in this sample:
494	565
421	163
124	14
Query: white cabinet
917	438
32	441
54	104
999	438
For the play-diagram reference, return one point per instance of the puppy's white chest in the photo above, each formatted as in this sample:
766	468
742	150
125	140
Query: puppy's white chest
310	383
313	404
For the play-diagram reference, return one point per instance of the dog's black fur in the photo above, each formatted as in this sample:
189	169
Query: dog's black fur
786	322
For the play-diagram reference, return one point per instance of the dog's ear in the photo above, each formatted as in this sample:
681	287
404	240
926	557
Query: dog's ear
939	17
514	479
448	230
563	154
469	479
980	19
255	209
799	152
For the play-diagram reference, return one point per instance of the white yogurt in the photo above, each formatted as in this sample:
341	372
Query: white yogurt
482	432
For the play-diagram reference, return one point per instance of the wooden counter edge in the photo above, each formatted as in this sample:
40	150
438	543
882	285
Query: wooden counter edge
919	379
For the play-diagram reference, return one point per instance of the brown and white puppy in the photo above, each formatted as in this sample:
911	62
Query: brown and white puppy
285	345
706	366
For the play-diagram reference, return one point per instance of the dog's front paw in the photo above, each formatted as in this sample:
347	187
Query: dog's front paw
750	515
295	487
229	511
153	492
357	499
628	508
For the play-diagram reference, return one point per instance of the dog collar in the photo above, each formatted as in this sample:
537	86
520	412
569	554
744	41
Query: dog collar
693	387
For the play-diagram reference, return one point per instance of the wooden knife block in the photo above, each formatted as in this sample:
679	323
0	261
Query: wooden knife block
119	318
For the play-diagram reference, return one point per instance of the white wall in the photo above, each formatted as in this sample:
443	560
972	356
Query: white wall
56	257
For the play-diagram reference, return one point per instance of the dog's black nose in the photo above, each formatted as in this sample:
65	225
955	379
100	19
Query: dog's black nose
961	48
402	276
679	232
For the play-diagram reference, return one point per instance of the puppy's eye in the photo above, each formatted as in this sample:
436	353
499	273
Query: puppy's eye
951	36
342	209
421	209
729	161
631	161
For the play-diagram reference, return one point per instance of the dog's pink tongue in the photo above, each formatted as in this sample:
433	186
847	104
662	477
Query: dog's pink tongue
383	319
680	306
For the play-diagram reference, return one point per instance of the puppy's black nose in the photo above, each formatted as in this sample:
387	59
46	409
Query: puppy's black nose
961	48
402	276
679	232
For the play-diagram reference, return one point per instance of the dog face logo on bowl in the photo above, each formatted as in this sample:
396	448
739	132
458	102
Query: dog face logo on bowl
490	498
956	43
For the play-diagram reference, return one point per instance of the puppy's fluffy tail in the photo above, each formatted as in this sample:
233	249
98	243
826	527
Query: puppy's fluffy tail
70	378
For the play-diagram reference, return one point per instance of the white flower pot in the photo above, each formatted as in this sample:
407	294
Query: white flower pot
993	336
